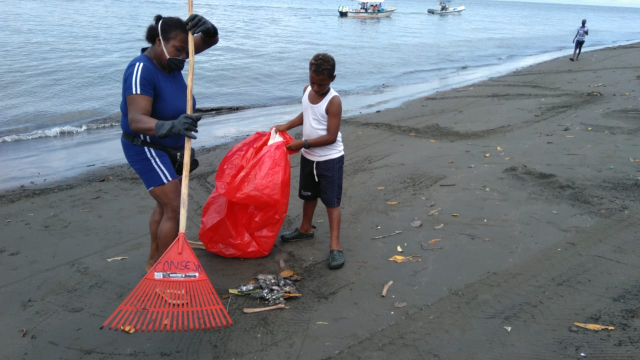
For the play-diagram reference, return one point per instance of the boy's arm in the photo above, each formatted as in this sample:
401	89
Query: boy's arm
575	37
334	113
297	121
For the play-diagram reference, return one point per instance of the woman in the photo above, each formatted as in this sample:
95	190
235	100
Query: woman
153	110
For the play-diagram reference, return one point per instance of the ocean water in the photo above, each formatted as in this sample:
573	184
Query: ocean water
60	88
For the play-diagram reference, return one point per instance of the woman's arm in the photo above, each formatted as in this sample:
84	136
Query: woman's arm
140	120
206	34
202	43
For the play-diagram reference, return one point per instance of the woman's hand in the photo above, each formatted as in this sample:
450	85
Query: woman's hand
200	25
295	145
185	125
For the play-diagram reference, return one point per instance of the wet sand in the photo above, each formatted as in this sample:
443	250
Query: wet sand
539	165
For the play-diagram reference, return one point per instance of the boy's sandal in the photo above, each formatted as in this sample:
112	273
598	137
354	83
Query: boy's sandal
295	235
336	259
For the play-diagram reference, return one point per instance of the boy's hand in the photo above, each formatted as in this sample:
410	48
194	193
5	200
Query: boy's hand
295	145
280	128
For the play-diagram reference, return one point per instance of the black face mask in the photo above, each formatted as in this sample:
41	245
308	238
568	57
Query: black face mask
173	63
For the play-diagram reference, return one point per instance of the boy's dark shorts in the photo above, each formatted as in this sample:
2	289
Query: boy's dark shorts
579	44
329	185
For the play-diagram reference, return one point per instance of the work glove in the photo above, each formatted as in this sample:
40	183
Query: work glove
185	125
200	25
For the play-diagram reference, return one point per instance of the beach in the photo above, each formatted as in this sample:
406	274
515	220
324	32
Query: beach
532	179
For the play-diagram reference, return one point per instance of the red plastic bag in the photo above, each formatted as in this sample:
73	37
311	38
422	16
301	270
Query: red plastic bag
245	211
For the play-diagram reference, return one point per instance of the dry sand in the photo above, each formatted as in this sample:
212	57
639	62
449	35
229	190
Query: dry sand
546	236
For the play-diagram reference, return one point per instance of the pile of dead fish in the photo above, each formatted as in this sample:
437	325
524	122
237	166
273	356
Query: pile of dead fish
271	288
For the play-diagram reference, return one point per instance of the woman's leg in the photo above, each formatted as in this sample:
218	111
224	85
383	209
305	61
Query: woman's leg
168	199
154	224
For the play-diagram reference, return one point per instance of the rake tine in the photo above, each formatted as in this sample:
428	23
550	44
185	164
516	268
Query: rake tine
147	323
126	311
204	322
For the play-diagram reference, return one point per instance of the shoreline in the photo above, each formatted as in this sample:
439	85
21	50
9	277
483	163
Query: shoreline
225	110
538	166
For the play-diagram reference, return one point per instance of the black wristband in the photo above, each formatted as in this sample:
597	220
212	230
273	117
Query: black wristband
306	145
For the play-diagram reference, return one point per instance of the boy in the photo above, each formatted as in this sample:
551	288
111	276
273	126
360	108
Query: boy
579	40
322	157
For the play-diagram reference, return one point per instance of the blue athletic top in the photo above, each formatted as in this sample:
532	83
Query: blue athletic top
168	91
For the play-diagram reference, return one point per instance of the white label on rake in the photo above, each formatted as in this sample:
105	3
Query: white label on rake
170	275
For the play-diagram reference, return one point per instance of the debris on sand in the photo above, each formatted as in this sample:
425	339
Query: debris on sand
196	245
416	223
271	288
117	258
594	327
128	329
439	227
384	236
386	288
403	259
255	310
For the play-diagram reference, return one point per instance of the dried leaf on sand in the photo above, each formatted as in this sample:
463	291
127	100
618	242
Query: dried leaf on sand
595	327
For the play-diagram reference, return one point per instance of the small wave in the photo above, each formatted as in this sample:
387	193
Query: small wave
56	131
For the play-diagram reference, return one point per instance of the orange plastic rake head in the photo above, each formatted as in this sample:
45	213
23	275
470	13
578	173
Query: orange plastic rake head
175	295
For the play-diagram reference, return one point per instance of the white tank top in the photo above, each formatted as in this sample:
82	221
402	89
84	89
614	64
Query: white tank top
314	124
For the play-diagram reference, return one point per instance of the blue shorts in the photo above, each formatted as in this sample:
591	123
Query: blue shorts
153	166
321	179
579	44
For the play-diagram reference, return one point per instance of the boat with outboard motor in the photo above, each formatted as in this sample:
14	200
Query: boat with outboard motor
445	8
367	9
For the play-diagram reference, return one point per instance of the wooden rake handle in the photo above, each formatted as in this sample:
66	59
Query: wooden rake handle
184	193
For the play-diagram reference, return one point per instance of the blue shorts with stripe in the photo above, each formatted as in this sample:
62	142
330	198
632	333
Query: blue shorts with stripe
321	179
153	166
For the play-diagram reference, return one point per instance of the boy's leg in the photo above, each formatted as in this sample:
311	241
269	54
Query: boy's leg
579	51
308	192
330	174
308	209
334	227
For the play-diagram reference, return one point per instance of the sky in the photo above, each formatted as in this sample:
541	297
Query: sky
630	3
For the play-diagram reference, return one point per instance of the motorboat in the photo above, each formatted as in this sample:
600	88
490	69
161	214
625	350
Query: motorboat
445	8
366	9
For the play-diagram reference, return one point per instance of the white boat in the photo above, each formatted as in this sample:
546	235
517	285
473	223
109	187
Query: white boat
367	9
445	8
